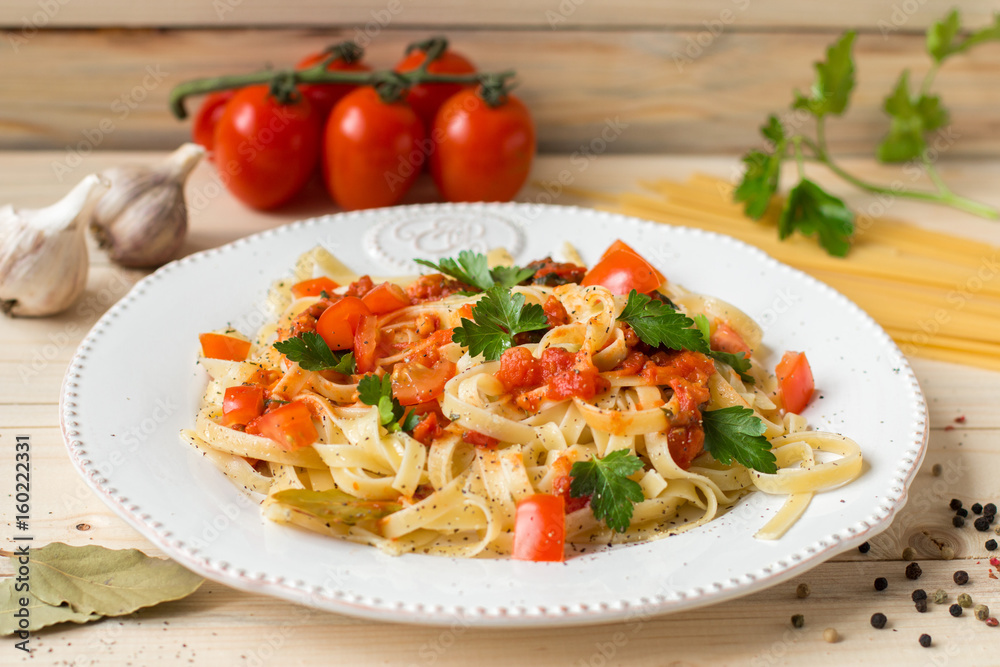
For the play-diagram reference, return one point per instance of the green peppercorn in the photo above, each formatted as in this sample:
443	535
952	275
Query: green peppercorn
981	611
909	553
940	596
965	600
802	591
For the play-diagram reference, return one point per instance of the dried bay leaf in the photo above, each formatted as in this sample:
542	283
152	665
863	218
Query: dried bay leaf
110	582
40	614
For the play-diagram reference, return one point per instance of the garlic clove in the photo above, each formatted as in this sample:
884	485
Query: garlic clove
43	252
142	220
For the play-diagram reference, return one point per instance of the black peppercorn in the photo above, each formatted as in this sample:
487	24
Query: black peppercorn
991	545
865	548
990	509
957	521
878	621
976	508
881	584
962	513
925	640
919	594
921	605
913	571
961	577
982	524
955	610
955	504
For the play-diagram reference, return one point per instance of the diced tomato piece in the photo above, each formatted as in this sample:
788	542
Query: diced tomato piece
662	367
569	375
360	287
290	426
222	346
519	369
428	429
480	440
621	269
795	381
540	528
386	298
555	360
555	312
427	351
685	442
366	343
338	323
414	383
561	482
725	339
242	404
314	287
432	287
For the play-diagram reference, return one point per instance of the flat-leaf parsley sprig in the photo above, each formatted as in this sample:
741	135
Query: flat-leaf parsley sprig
736	433
496	319
373	391
612	494
913	115
659	325
311	352
472	268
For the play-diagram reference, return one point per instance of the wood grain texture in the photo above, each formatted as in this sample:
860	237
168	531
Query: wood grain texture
220	626
589	91
542	14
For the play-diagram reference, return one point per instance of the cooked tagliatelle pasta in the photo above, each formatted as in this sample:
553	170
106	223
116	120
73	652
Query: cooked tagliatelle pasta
487	409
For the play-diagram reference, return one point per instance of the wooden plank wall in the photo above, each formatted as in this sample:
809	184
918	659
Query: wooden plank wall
668	76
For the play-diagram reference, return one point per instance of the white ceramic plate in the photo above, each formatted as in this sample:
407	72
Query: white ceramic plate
133	385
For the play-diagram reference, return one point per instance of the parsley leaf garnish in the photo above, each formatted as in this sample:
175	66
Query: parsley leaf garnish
659	325
760	179
813	211
373	391
606	481
941	36
473	269
498	317
911	120
737	433
834	80
738	362
311	352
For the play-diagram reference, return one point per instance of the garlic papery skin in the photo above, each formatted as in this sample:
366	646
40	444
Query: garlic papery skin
43	252
142	220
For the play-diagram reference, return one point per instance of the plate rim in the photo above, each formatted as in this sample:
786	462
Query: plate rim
785	567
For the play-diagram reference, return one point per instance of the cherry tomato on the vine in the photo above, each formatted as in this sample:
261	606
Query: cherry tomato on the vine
372	150
209	113
265	150
427	98
482	153
325	96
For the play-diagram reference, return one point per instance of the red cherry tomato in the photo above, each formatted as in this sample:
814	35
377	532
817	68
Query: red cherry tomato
290	426
621	269
366	343
338	323
209	113
540	528
266	151
427	98
242	404
482	153
386	298
795	381
324	97
314	287
414	383
221	346
373	150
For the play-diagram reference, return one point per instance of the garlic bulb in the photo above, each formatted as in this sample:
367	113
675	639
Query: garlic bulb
43	252
142	219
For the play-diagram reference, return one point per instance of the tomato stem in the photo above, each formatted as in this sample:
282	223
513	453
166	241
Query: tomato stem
318	74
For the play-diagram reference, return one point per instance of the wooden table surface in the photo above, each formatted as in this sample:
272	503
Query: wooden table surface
220	626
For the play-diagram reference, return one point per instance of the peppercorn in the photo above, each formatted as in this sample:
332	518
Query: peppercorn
991	545
990	509
881	584
919	594
937	470
962	513
947	552
925	640
961	577
878	621
965	601
982	524
830	635
909	553
981	611
913	571
940	596
798	620
976	508
992	622
921	605
957	521
802	591
865	548
955	610
955	504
